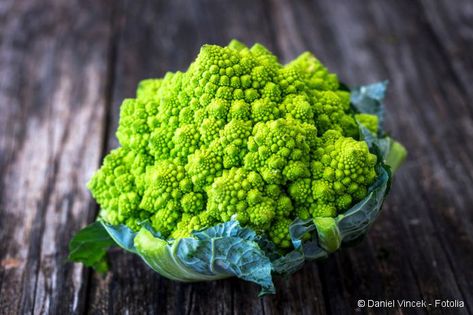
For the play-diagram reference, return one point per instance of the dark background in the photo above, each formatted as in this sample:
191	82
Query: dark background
65	67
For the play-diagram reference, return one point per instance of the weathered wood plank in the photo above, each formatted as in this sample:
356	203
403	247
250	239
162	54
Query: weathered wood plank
452	25
52	98
439	123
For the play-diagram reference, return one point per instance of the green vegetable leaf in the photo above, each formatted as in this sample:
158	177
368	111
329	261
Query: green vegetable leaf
231	249
162	257
289	263
355	222
392	152
90	246
300	229
122	235
369	99
222	251
395	155
328	233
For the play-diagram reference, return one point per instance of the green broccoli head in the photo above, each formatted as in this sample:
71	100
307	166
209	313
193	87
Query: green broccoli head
238	135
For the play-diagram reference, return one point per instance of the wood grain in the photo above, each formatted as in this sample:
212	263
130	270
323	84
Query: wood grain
65	67
53	73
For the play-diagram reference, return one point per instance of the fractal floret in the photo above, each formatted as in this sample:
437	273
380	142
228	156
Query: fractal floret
242	166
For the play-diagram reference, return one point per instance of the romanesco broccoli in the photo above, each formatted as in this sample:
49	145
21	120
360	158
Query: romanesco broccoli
236	135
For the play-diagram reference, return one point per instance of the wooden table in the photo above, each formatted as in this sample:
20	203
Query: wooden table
65	67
